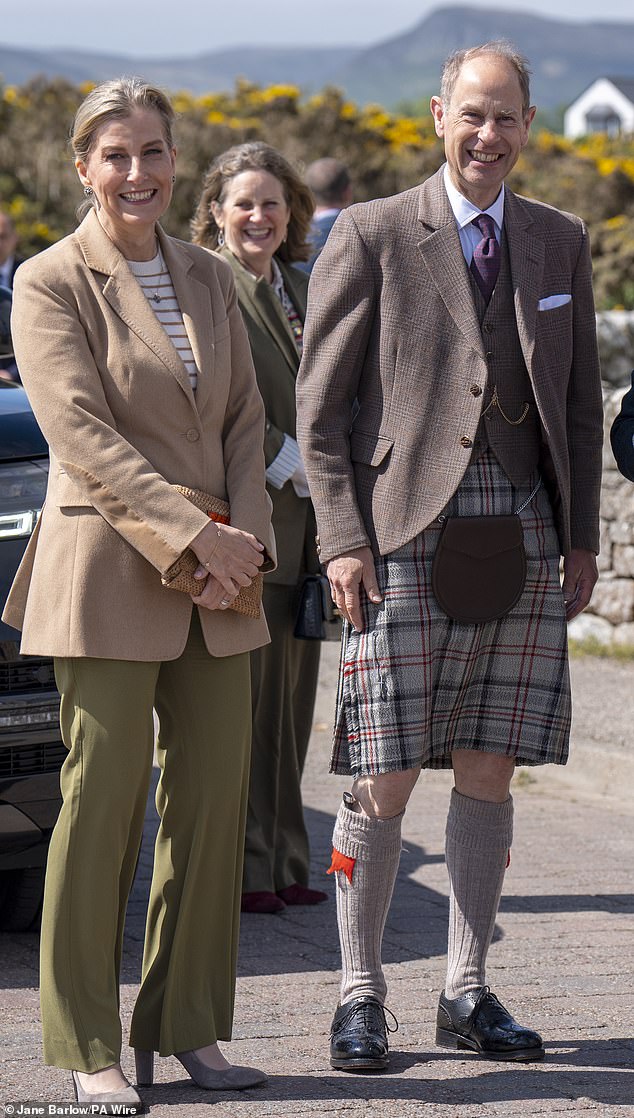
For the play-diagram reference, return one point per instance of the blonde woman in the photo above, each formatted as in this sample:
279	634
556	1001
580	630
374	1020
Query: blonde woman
133	353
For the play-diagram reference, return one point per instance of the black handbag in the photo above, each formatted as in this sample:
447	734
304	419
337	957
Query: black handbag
316	618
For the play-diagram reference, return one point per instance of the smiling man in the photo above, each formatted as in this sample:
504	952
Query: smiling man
450	387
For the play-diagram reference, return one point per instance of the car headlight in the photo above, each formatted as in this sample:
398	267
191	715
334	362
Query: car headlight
22	492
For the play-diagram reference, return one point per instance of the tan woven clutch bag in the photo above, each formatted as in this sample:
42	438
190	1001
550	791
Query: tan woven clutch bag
180	575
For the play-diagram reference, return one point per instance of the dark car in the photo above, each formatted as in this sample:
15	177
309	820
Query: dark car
31	750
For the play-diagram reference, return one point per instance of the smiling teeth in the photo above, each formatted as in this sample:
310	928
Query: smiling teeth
484	157
138	196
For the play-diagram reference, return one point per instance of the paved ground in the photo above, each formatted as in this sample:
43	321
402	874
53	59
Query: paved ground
562	957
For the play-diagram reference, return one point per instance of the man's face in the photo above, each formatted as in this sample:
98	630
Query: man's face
483	126
8	239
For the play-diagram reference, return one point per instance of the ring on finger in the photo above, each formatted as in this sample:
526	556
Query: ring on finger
225	602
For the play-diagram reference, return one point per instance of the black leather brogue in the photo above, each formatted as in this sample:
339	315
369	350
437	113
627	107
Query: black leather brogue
478	1021
358	1036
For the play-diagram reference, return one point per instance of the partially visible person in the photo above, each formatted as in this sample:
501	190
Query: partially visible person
622	435
330	185
10	259
137	364
255	211
8	367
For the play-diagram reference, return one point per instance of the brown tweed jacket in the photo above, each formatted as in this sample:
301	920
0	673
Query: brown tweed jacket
115	404
386	415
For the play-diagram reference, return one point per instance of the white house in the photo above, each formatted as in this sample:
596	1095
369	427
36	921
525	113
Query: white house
606	106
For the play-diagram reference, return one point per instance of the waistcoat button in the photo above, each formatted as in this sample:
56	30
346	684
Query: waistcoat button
489	327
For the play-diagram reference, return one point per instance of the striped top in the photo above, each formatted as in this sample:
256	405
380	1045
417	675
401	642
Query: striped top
156	283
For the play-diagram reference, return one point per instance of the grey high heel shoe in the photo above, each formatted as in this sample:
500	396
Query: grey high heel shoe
234	1078
124	1096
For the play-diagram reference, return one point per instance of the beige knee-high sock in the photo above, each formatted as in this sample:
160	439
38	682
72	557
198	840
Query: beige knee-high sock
369	851
478	839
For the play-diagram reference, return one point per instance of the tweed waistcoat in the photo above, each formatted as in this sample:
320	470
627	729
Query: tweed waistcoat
515	445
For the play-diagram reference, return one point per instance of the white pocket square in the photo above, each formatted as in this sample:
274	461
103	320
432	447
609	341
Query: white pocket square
552	301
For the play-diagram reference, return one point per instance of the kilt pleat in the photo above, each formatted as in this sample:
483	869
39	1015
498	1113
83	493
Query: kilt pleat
415	685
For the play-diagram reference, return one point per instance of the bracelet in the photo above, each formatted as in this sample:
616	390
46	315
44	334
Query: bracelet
208	560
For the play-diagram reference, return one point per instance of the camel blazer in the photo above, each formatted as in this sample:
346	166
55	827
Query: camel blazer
394	358
116	407
276	363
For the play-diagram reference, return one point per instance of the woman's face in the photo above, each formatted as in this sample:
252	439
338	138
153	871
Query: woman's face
130	169
253	217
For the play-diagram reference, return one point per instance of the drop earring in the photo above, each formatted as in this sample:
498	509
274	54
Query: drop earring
221	238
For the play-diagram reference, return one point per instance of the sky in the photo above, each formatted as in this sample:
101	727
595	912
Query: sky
189	27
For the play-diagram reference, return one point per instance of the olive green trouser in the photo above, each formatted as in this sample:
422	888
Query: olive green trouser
284	682
189	964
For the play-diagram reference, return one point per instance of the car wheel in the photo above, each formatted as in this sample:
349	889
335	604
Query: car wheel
21	893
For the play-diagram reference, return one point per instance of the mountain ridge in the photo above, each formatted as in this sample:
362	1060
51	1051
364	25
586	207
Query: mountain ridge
565	57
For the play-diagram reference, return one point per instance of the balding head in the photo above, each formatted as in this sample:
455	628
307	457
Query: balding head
329	181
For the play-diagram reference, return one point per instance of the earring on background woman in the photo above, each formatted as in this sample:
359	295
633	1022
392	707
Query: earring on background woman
88	191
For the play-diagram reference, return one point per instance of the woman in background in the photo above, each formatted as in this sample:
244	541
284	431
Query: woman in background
255	211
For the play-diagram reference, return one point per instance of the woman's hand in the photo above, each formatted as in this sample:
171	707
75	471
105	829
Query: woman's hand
231	557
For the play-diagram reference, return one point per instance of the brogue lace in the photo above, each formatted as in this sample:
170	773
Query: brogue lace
367	1013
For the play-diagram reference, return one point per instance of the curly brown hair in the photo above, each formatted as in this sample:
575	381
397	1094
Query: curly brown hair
256	156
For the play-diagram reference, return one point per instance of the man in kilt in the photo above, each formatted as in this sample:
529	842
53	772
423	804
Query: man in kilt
450	369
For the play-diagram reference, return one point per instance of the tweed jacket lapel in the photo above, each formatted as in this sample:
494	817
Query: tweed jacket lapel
527	255
444	260
123	293
263	303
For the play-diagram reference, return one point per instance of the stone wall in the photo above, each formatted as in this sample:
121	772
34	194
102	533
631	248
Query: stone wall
609	618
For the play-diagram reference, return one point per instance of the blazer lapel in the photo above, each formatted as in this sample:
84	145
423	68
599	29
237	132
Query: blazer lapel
527	256
264	304
123	293
194	300
443	257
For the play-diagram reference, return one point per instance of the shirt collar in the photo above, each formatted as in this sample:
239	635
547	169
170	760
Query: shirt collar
464	211
278	280
5	269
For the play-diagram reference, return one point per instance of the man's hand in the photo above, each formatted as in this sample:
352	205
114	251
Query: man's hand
347	573
580	575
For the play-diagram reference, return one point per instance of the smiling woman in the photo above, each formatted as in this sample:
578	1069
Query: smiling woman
255	209
136	361
129	170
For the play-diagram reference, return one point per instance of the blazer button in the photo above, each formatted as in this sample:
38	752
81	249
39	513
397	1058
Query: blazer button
192	435
466	441
475	390
489	327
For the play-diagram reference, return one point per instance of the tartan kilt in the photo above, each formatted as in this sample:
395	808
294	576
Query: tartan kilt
415	685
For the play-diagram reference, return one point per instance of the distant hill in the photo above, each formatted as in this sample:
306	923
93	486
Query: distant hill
310	68
565	58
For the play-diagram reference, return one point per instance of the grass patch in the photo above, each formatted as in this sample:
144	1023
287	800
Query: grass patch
591	646
523	778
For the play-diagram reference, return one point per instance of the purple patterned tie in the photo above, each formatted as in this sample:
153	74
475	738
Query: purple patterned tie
485	264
